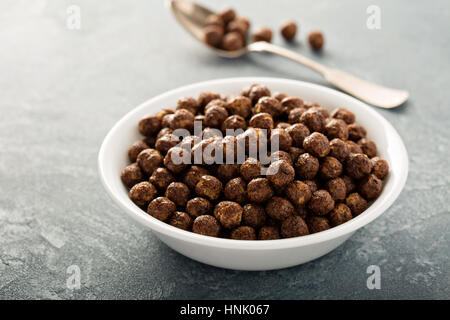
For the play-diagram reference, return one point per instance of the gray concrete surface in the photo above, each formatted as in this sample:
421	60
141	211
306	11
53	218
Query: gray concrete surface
62	90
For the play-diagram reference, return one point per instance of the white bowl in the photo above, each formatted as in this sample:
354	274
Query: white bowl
254	255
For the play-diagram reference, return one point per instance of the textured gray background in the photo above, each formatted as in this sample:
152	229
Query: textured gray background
62	90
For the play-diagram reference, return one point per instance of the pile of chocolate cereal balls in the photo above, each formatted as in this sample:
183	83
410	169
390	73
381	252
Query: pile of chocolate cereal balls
325	172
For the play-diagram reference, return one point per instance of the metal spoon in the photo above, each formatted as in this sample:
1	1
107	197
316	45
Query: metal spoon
192	17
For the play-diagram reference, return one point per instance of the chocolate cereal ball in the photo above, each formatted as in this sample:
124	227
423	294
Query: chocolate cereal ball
188	103
209	187
258	91
214	19
282	125
317	224
161	178
181	220
306	166
215	116
301	211
313	119
235	190
182	119
206	225
243	233
131	175
250	169
316	144
330	168
163	132
288	30
344	114
239	27
135	149
233	123
262	34
356	132
358	165
232	41
316	40
206	97
193	175
295	115
179	193
339	215
268	105
198	207
280	173
240	105
336	128
312	185
337	189
161	208
281	155
380	167
226	172
298	133
166	120
353	147
259	190
268	233
282	138
228	213
213	35
279	95
294	226
339	149
279	208
149	125
350	185
321	202
142	193
370	187
149	159
166	142
298	193
262	121
368	147
356	203
290	103
227	15
295	152
215	103
253	215
177	159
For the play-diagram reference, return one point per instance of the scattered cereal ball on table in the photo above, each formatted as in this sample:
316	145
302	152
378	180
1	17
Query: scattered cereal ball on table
149	125
336	128
149	160
161	208
235	190
209	187
370	187
250	169
288	30
316	144
282	138
228	213
262	34
280	173
182	119
268	233
339	149
279	208
317	224
240	105
188	103
262	121
206	225
298	133
295	115
321	202
306	166
177	159
142	193
198	207
340	214
368	147
358	165
258	91
268	105
344	114
179	193
161	178
259	190
313	119
253	215
330	168
243	233
316	40
294	226
166	142
131	175
380	167
356	132
135	149
233	123
356	203
298	192
232	41
193	175
181	220
337	189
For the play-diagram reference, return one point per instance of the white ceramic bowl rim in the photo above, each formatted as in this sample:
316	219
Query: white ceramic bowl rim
376	209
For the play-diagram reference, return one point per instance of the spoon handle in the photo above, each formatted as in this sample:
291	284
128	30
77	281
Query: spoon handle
369	92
